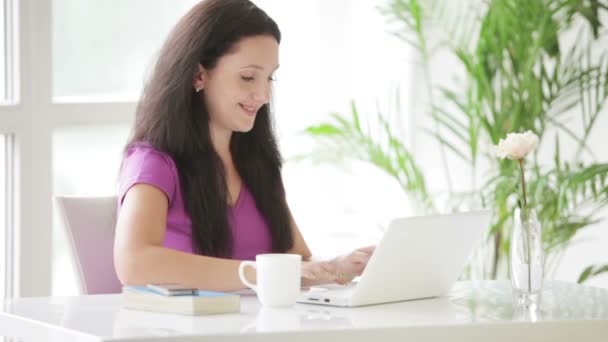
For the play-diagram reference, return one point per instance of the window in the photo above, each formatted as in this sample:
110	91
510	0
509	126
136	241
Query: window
102	49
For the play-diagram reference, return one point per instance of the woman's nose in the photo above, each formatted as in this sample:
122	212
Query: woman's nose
262	93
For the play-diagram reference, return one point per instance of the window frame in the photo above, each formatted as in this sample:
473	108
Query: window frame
31	118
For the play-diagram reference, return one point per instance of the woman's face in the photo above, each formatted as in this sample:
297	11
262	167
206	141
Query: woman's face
240	83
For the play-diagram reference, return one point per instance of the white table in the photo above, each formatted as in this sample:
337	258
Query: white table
472	312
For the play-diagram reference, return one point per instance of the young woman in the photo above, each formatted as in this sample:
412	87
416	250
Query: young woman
200	184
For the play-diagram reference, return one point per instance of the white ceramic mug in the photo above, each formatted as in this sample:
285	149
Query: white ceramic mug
278	278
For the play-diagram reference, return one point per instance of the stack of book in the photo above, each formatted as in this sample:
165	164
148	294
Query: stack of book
198	302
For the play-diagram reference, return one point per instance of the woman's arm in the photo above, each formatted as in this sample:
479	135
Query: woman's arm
140	258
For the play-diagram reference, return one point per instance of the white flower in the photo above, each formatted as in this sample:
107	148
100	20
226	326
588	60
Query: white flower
517	145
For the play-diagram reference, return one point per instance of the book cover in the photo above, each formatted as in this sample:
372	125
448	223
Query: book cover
200	303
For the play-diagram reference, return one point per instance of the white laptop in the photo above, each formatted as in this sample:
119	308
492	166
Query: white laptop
418	257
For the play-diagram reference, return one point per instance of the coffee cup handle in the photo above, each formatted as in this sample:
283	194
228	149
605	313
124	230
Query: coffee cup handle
242	274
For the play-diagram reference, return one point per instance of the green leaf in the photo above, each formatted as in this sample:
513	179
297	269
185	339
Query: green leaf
344	137
448	145
590	272
324	130
452	124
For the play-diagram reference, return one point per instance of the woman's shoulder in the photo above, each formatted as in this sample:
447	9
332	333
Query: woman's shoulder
142	147
143	163
141	157
143	151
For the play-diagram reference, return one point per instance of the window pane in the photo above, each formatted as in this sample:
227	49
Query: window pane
3	94
101	49
86	162
7	51
3	228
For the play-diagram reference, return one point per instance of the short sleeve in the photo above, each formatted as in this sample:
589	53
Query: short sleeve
144	164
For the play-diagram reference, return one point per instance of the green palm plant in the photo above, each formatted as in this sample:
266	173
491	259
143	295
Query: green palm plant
518	77
349	137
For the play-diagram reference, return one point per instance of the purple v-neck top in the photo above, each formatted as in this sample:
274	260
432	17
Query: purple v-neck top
144	164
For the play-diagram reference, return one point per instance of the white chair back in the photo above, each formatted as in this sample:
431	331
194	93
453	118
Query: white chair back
89	224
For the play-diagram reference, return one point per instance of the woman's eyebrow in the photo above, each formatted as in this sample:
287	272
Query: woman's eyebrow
256	66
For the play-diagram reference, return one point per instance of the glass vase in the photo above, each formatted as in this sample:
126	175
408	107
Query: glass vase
526	258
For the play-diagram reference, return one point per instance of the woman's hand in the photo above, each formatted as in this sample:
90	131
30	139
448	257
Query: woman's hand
318	273
342	269
349	266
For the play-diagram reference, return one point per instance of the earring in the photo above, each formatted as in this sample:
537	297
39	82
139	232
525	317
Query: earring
197	89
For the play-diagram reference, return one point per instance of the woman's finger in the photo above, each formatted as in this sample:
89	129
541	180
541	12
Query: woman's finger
368	249
359	257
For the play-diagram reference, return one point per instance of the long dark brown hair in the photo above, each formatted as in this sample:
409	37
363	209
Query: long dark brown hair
173	118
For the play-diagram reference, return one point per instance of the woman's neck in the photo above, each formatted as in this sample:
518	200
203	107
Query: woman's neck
220	139
221	143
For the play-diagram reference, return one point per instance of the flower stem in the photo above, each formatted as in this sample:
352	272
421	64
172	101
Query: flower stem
526	225
523	180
